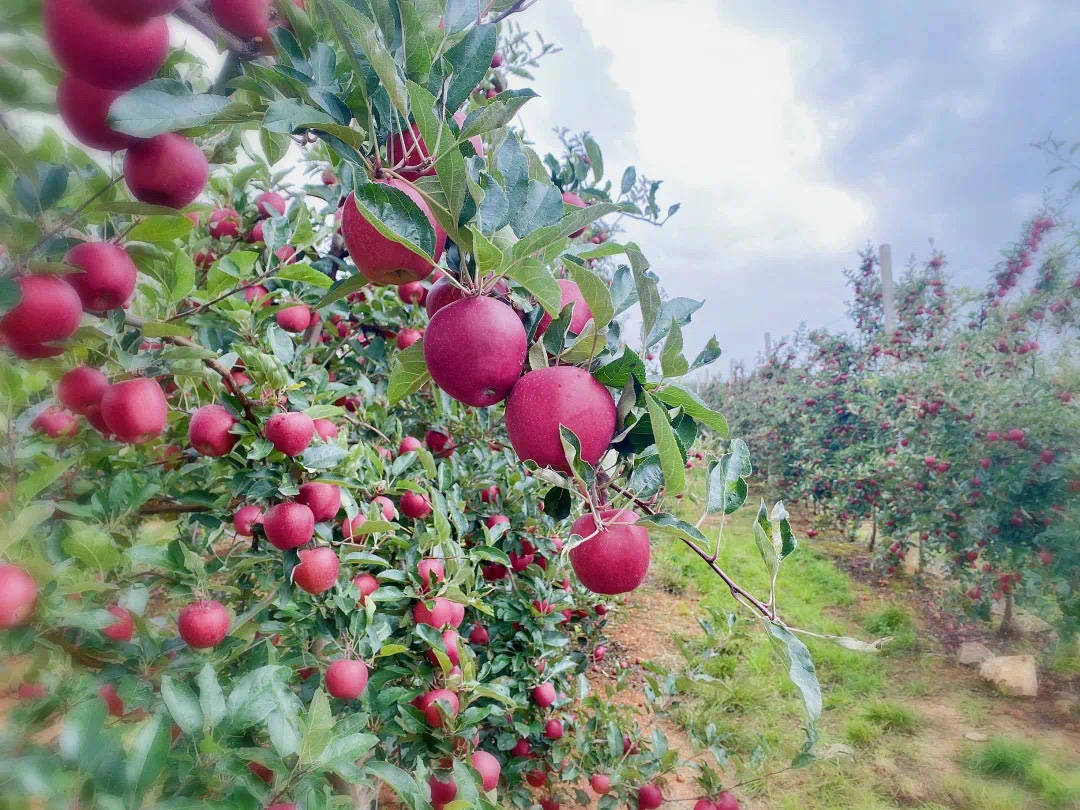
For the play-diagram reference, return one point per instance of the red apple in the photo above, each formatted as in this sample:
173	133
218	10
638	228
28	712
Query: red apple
115	706
409	444
479	635
135	411
81	388
166	170
415	505
270	204
431	571
224	222
490	494
442	293
450	640
101	49
18	593
543	695
85	110
725	801
439	443
296	318
203	624
288	525
412	293
208	431
346	678
572	199
649	797
616	559
248	19
442	792
437	616
55	423
571	294
245	519
386	507
317	571
475	350
367	585
324	500
439	697
407	337
489	769
553	729
600	783
326	429
290	431
536	778
566	395
136	10
49	309
124	626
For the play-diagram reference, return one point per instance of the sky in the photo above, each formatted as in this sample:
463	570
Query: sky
796	133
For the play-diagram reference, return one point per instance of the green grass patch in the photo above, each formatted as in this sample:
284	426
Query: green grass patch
1026	766
892	717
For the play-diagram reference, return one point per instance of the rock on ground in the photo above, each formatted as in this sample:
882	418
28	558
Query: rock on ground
1013	675
973	653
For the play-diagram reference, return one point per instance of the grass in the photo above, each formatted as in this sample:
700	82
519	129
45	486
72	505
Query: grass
899	759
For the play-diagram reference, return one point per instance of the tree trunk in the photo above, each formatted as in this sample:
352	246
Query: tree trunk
1008	626
873	530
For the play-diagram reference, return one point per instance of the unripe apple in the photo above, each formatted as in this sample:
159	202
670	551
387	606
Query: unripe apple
113	704
245	519
288	525
600	783
543	695
570	294
430	570
208	431
382	260
49	309
296	318
649	797
543	400
203	624
487	765
135	411
317	570
324	500
412	293
270	204
85	110
326	429
18	593
166	170
248	19
55	423
479	635
367	585
101	49
81	388
346	678
475	350
290	432
431	702
409	444
124	626
616	559
553	729
407	337
442	792
415	505
224	222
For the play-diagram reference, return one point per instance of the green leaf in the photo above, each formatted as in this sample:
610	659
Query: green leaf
408	373
596	293
155	329
183	276
317	728
803	675
618	371
670	525
163	105
160	229
575	220
692	405
648	293
399	781
488	256
274	145
629	178
281	343
182	704
671	460
539	281
304	273
30	485
498	112
341	288
678	310
571	445
709	354
725	483
10	295
672	362
19	158
148	753
471	60
440	141
367	35
393	214
323	456
596	158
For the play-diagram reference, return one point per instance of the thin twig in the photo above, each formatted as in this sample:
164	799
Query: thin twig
48	235
165	508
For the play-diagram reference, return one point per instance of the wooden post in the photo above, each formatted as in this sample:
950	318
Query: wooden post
768	345
888	299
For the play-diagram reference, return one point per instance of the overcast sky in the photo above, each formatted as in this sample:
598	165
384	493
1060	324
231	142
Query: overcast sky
794	133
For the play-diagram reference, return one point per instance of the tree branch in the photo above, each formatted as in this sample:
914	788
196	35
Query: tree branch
167	508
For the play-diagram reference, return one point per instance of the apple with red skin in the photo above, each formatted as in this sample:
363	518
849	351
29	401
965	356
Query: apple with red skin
326	429
440	443
270	204
166	170
543	695
317	571
407	337
725	801
224	222
123	628
410	444
536	778
487	765
519	562
600	783
570	294
49	309
547	397
329	178
704	804
256	292
382	260
136	10
282	806
346	678
324	500
450	640
290	432
245	519
108	275
553	729
135	411
442	293
203	624
649	797
386	507
475	350
248	19
430	571
296	318
490	494
522	749
100	49
85	110
491	521
255	234
457	614
437	616
208	431
288	525
479	635
431	702
55	423
616	559
18	594
81	388
573	200
493	572
415	506
412	293
367	585
113	704
30	691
